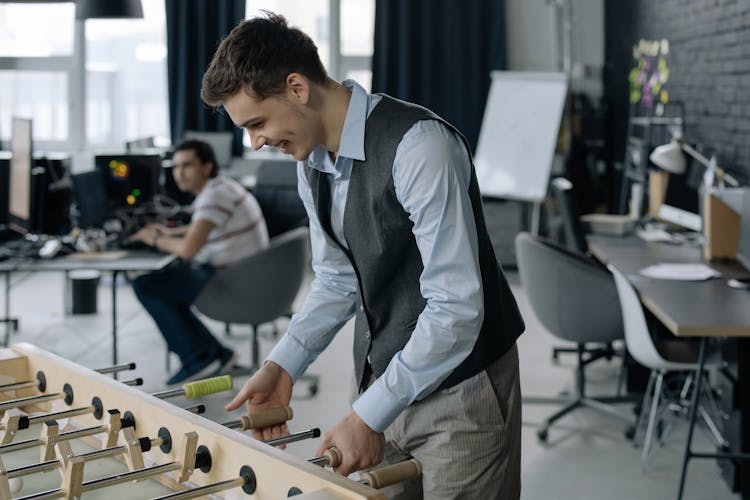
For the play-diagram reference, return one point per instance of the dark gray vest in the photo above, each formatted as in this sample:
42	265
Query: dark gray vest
386	260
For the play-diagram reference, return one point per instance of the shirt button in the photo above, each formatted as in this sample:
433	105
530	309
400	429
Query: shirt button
367	334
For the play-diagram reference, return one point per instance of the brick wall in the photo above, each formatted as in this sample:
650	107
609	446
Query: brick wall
709	64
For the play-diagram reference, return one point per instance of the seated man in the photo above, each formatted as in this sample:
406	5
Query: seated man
226	225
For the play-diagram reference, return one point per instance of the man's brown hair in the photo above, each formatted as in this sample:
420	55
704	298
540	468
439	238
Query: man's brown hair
258	54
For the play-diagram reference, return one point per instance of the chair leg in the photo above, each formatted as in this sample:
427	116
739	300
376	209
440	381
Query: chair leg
543	430
706	414
652	417
644	407
254	348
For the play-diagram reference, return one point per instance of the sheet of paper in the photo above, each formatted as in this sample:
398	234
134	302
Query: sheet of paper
680	271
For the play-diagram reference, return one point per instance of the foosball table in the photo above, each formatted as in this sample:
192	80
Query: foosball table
70	432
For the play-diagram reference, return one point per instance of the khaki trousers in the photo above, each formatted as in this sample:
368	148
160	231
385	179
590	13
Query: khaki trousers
467	437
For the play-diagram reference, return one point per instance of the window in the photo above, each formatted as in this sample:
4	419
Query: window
36	30
126	78
125	75
36	46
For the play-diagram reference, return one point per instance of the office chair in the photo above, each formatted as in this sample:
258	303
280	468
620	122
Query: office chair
276	192
575	239
661	356
259	289
575	299
564	194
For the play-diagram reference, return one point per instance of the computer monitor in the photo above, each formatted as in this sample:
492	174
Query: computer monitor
19	197
91	199
682	200
130	181
172	191
221	142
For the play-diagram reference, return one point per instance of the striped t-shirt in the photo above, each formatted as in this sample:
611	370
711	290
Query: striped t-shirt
240	228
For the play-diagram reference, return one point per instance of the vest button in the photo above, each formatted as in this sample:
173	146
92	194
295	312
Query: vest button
362	309
367	334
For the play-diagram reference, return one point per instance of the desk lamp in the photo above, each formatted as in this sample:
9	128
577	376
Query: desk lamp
720	223
670	158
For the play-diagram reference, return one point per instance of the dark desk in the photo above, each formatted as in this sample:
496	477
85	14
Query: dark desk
703	309
112	262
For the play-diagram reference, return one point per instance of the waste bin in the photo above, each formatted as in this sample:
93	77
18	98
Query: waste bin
81	293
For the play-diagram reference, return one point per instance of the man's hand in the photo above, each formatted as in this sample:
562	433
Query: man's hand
147	235
270	387
360	446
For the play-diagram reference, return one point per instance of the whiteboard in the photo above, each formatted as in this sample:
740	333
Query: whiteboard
519	133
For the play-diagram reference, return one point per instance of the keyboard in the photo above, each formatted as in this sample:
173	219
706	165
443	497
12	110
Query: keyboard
126	244
22	248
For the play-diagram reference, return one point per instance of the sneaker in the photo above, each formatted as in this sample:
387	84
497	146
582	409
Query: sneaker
227	359
196	370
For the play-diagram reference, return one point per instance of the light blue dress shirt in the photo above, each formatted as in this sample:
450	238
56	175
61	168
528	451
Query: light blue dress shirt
431	173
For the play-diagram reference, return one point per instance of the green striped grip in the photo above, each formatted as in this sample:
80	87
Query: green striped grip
207	386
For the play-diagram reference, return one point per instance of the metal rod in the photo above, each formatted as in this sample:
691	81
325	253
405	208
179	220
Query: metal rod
293	438
106	452
129	476
204	490
116	368
65	436
21	445
61	414
108	481
16	403
45	495
322	461
17	385
88	431
33	468
114	319
234	424
133	382
170	393
688	453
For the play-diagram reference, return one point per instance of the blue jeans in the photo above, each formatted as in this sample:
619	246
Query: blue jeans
168	295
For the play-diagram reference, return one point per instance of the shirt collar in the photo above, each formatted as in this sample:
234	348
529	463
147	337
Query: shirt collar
352	142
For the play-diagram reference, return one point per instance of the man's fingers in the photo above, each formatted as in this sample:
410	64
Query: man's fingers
325	443
240	398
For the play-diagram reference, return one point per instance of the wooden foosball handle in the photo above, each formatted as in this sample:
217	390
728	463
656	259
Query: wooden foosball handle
391	474
267	418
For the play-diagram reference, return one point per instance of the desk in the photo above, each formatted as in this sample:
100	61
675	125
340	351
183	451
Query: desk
687	308
131	260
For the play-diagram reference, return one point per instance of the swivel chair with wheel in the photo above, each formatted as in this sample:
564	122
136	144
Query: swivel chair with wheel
259	289
575	300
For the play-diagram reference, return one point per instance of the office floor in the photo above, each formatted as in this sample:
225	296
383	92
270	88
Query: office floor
586	457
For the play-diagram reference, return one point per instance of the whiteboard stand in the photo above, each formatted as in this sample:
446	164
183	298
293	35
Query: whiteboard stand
518	136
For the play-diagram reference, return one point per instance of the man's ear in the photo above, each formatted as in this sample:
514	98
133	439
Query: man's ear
298	87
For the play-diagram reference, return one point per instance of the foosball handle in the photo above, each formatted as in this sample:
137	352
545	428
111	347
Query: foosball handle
392	474
267	418
334	457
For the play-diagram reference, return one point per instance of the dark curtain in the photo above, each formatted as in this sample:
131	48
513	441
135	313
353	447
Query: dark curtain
439	53
194	30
